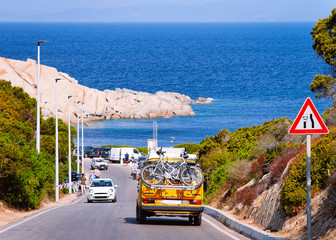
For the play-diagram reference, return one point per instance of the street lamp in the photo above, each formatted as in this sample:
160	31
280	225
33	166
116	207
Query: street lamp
45	109
78	102
172	140
155	133
69	145
56	150
82	139
38	97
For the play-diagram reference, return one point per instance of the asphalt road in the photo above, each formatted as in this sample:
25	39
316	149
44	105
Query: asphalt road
106	220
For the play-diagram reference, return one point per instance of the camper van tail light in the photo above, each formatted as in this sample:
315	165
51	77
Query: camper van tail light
196	202
148	200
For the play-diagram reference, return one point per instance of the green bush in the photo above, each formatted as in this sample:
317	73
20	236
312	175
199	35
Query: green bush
293	193
25	176
191	147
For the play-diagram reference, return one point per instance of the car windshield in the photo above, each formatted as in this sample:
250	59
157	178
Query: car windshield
101	183
99	160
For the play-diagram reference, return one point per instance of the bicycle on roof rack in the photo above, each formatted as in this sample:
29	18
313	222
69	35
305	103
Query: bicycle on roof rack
160	171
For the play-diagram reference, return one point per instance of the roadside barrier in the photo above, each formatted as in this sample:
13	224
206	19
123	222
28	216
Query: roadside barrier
245	229
63	186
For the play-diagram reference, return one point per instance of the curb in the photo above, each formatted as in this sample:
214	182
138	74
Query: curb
246	230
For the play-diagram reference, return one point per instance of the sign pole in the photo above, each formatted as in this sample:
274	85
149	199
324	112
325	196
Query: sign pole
308	153
308	122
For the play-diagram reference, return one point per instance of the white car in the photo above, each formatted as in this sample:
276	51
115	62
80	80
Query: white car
102	190
99	162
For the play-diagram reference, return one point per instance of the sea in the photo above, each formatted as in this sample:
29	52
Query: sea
253	72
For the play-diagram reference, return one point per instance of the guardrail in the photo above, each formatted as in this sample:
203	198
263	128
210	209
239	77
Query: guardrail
247	230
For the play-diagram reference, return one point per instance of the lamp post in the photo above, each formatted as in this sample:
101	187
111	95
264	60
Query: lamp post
155	133
38	98
69	145
56	150
172	139
78	102
45	109
82	138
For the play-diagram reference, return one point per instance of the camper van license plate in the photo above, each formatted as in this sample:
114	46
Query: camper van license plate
171	202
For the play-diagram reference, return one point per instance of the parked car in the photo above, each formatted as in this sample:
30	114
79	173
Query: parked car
106	152
99	151
99	162
87	150
94	152
102	190
75	176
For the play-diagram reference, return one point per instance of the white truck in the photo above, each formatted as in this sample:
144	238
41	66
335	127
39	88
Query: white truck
118	154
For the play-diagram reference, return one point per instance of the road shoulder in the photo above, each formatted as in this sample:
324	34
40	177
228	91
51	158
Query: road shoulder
8	215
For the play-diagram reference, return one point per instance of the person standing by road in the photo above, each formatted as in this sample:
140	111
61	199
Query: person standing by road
92	177
97	172
126	158
83	183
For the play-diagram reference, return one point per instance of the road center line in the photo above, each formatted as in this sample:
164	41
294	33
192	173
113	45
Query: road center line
221	230
36	215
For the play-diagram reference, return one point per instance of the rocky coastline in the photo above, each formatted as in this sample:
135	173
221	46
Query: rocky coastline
108	104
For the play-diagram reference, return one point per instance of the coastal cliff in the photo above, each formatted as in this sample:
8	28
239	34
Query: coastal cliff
108	104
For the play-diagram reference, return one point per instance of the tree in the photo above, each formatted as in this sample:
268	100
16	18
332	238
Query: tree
324	36
27	177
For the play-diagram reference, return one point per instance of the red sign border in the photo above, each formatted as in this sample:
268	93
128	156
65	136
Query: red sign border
293	129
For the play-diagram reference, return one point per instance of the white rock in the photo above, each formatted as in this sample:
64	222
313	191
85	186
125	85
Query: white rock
108	104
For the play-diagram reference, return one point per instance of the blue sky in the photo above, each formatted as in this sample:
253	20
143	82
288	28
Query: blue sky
164	10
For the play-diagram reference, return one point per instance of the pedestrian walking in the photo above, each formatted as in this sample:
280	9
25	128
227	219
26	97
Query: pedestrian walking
83	183
92	176
97	172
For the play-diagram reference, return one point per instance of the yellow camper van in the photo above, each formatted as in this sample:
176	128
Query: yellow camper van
169	198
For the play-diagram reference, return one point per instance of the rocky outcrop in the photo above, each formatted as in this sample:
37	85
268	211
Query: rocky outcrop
202	100
108	104
265	210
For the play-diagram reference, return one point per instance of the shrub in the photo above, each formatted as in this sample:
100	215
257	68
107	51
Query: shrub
216	180
191	147
256	167
25	185
278	165
293	192
239	173
25	176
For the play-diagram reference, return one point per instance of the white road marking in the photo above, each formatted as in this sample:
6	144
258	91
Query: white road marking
36	215
221	230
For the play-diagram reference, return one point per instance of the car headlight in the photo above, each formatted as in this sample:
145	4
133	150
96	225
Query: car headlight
90	191
110	190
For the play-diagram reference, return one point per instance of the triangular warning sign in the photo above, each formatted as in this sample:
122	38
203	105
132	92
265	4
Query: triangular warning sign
308	121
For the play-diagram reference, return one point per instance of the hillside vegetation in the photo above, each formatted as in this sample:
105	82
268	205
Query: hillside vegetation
26	177
242	168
